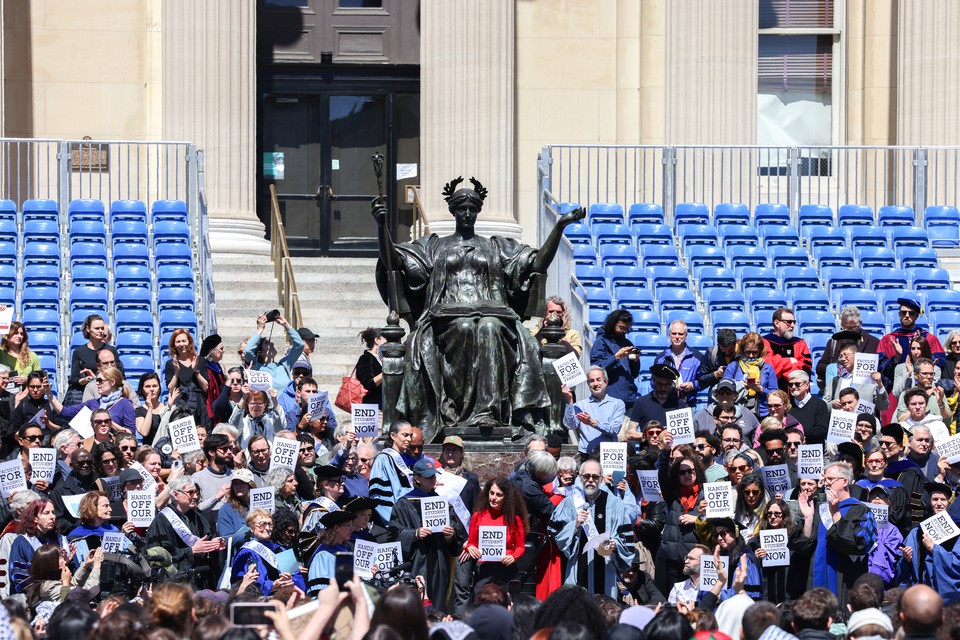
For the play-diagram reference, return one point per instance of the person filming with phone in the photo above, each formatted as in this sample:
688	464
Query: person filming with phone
751	369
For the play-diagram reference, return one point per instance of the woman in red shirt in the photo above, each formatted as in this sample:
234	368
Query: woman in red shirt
499	505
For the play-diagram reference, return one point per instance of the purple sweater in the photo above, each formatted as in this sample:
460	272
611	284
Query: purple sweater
121	412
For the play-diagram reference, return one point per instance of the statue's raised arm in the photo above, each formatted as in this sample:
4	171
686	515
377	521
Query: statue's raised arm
549	249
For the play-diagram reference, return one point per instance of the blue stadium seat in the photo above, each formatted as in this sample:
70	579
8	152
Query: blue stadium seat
943	226
133	320
765	300
943	300
686	213
763	322
701	342
85	210
653	234
41	319
731	213
41	252
891	216
582	254
45	342
609	233
638	298
89	274
167	231
860	236
781	256
595	318
175	319
779	234
88	231
843	278
132	275
724	300
873	322
923	278
595	298
93	299
771	213
124	231
744	256
39	297
802	299
674	299
77	340
822	235
178	298
809	322
802	277
88	252
757	278
603	212
8	230
132	298
907	237
875	257
127	211
622	276
8	253
39	210
47	363
8	275
703	256
942	322
739	234
831	256
135	343
885	278
587	276
645	213
8	210
888	300
849	215
645	321
47	275
814	215
172	210
693	320
917	257
693	234
736	320
659	254
135	366
8	295
715	277
41	231
668	277
863	299
611	254
649	344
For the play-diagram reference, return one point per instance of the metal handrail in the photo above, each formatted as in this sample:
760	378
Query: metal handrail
420	226
282	266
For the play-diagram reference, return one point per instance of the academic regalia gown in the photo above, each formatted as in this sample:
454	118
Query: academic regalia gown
268	573
841	554
940	569
387	485
900	515
323	567
910	475
883	558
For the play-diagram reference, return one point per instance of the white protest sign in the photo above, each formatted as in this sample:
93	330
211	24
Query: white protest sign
43	464
259	380
776	477
262	498
719	496
865	406
317	404
12	477
6	317
284	453
864	364
183	435
940	528
114	542
708	570
680	424
72	504
81	422
774	542
613	457
113	488
449	484
493	543
810	462
650	485
364	556
881	513
142	507
148	480
389	555
948	448
569	369
435	513
365	418
842	424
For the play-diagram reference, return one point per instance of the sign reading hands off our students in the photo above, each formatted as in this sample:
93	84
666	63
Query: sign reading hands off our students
680	425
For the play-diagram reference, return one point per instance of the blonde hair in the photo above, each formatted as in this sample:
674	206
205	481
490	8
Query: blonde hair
770	423
256	514
115	376
171	607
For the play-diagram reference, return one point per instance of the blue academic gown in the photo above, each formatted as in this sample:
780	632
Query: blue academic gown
841	553
323	567
267	574
21	555
387	485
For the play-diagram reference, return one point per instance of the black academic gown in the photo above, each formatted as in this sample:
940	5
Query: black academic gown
202	570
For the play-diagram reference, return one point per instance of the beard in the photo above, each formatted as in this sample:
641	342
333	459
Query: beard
591	491
787	335
691	571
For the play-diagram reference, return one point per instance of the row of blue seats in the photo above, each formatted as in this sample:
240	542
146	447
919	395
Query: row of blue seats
94	210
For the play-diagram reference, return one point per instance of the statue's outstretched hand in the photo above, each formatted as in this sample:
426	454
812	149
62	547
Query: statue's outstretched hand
570	217
378	207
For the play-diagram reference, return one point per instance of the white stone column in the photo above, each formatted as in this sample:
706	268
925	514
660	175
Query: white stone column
467	113
209	98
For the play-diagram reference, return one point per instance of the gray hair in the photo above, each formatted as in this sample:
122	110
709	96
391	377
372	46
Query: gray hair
679	322
733	454
63	438
843	468
541	464
601	370
288	435
193	457
22	499
918	428
180	483
560	302
533	438
850	312
4	369
225	428
566	463
373	448
950	337
342	427
802	375
277	477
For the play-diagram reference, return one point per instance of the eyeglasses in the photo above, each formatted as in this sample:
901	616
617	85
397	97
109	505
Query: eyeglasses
256	403
84	463
774	406
260	452
687	472
653	432
771	514
732	440
590	476
33	438
237	381
263	525
924	373
875	461
795	385
830	481
102	421
191	492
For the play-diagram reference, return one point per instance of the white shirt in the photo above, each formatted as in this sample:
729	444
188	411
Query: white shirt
683	591
800	403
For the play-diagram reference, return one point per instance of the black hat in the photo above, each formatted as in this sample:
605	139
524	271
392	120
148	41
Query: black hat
726	384
664	371
208	344
215	441
130	475
895	431
327	471
306	334
911	303
333	518
939	487
358	504
726	523
851	449
879	487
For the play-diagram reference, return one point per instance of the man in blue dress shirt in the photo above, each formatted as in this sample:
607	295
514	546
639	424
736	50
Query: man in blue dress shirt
597	418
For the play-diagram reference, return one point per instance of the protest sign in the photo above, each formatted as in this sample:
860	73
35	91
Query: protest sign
142	507
43	463
317	404
881	513
865	406
284	453
841	428
12	477
365	418
114	542
774	542
183	435
864	364
708	570
940	528
287	562
364	557
6	318
148	481
650	485
493	543
948	448
719	496
680	424
81	422
262	498
569	370
259	380
389	555
613	456
435	513
72	504
776	478
113	488
810	461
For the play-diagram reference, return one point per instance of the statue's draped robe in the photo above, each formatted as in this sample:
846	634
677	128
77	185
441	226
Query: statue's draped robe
470	361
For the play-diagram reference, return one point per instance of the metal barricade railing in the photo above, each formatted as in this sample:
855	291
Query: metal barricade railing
283	267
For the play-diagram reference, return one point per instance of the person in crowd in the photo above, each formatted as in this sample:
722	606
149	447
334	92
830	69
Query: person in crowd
936	405
233	514
81	480
783	350
751	369
364	528
903	470
108	462
865	431
851	330
920	450
716	359
685	359
83	362
787	582
152	412
31	437
614	352
558	310
895	346
305	466
429	552
37	399
921	612
284	485
38	526
778	402
7	402
94	517
369	367
688	591
905	374
597	418
211	352
18	502
809	410
51	578
875	466
751	501
258	554
840	376
499	505
884	557
15	354
681	485
329	494
103	429
391	477
663	397
127	443
321	427
452	452
257	414
348	459
187	372
258	449
92	390
708	447
110	383
727	392
214	481
186	534
738	464
263	353
952	345
230	396
732	545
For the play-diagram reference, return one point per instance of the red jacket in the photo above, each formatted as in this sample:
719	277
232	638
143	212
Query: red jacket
779	353
515	534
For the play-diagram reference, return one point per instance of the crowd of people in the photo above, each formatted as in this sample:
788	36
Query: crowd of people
130	530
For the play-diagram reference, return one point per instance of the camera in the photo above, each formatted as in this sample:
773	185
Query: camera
273	315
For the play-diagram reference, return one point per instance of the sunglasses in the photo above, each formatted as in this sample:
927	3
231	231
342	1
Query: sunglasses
107	461
751	492
101	380
102	421
795	385
741	468
590	476
774	513
84	463
33	438
654	432
128	448
700	447
687	472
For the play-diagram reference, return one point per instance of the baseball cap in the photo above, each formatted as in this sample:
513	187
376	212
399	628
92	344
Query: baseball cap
454	440
424	469
306	334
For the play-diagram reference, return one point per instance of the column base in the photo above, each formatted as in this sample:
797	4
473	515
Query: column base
238	235
502	228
